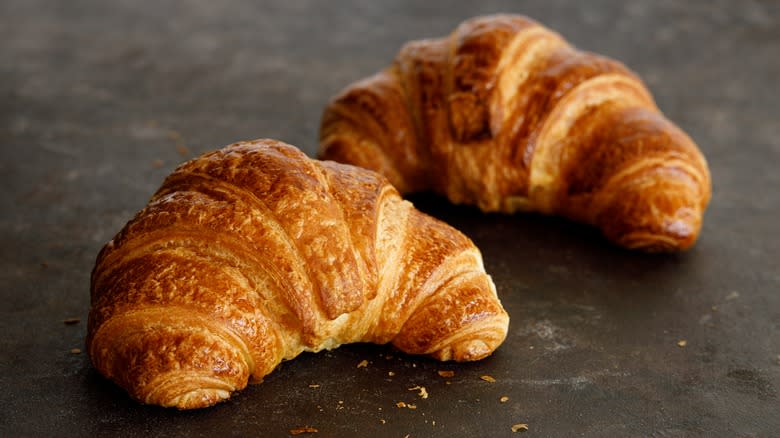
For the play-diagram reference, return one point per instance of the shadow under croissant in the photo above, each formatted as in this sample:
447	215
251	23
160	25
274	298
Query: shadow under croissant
528	245
527	232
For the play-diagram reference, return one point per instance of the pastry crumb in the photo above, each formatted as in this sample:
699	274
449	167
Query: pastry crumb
304	429
682	343
422	392
390	373
363	363
400	404
503	399
314	385
382	420
446	373
75	351
488	378
519	427
732	296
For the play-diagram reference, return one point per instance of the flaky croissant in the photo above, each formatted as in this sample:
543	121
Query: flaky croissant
251	254
505	115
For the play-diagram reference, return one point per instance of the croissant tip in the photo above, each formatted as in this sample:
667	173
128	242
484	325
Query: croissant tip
658	242
189	393
674	235
469	350
196	399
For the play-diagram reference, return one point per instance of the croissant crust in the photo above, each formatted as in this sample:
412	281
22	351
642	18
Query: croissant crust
506	115
254	253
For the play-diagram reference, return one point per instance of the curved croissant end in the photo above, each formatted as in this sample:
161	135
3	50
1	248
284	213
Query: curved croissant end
505	115
249	255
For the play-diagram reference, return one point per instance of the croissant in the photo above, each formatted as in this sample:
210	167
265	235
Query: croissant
505	115
252	254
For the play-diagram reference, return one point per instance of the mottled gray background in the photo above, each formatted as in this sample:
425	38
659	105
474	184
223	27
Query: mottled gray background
99	100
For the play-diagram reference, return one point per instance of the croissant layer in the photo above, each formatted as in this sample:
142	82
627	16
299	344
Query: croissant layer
252	254
504	114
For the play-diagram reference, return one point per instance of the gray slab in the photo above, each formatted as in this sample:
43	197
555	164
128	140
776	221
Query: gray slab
100	100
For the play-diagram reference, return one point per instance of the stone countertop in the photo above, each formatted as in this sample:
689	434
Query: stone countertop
100	100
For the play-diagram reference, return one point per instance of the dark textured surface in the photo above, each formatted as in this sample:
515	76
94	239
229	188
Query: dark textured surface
100	100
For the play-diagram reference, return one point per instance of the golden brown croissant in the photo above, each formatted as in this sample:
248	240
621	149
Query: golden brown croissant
249	255
505	115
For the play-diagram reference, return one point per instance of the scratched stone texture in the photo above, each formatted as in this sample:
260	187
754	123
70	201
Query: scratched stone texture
100	100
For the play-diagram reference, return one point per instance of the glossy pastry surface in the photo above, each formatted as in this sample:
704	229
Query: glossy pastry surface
506	115
254	253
